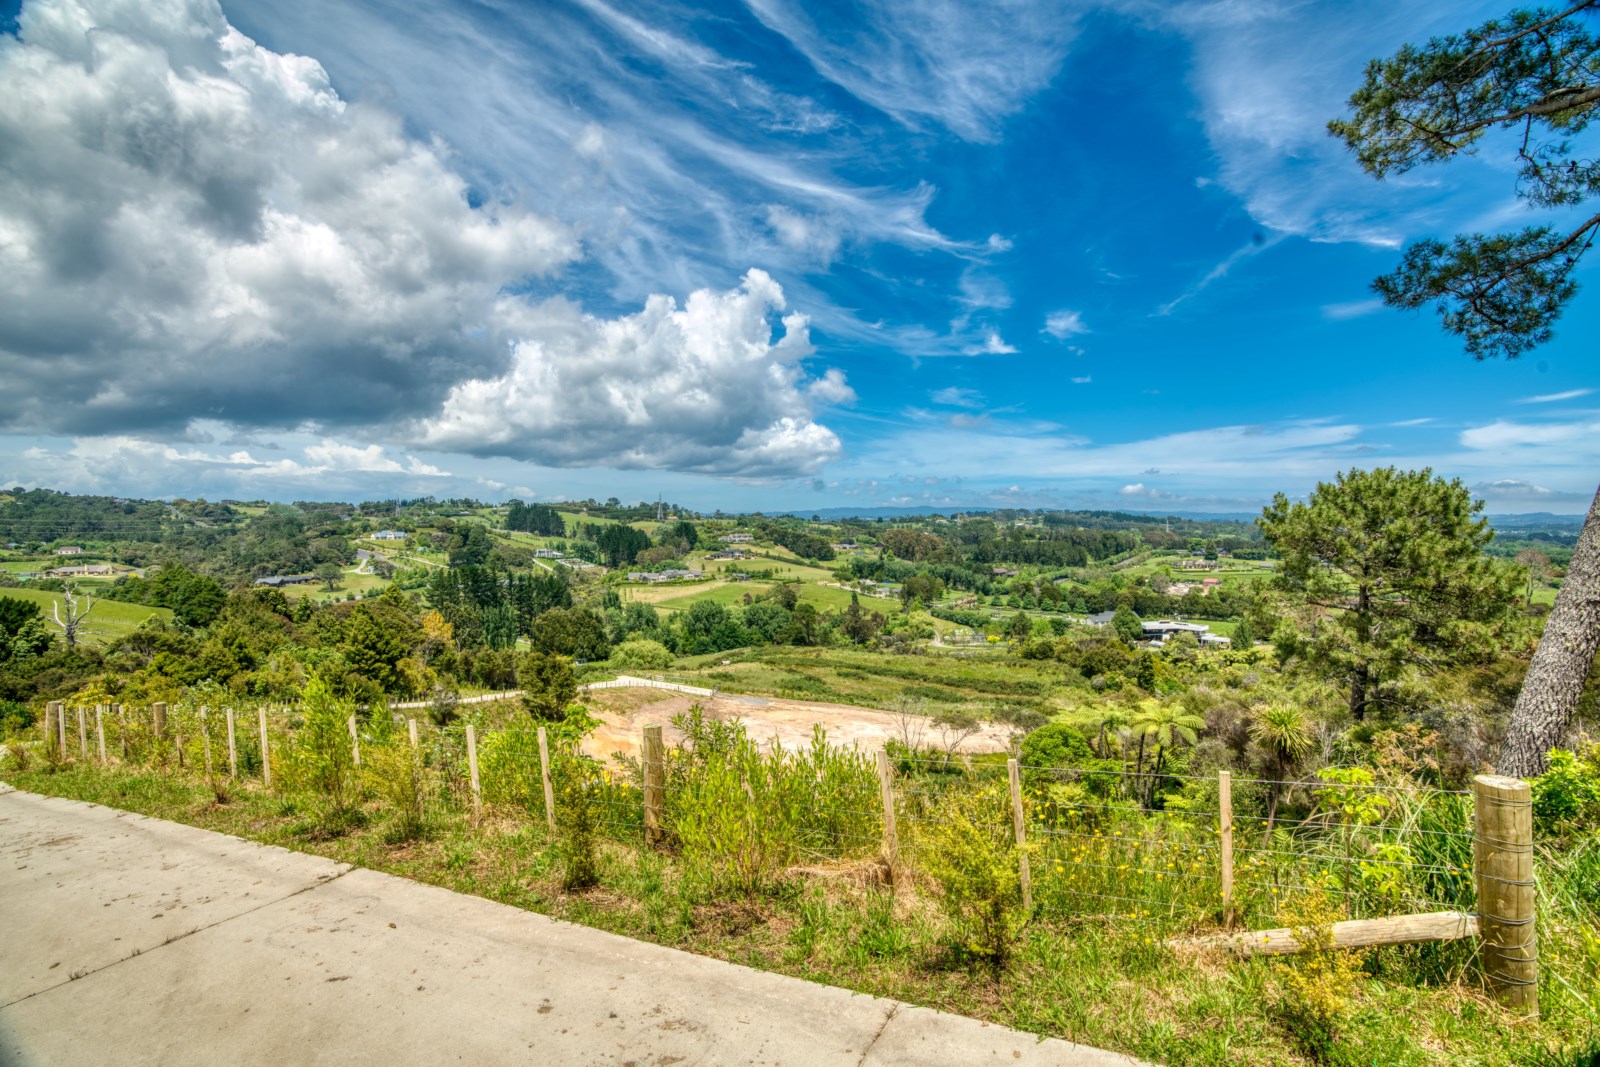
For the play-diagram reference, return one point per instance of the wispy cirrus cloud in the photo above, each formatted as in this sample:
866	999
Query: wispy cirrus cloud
964	67
1554	398
992	344
678	165
1257	244
1504	434
958	396
1064	323
1269	76
1353	309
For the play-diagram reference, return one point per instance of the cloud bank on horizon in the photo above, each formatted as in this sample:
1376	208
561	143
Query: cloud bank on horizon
896	253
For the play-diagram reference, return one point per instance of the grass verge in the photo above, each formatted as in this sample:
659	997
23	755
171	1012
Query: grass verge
1112	987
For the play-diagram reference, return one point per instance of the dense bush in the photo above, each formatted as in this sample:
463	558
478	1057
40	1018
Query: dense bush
742	815
641	654
1055	745
1567	796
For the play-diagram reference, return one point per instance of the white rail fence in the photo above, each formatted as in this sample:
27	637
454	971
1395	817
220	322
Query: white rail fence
622	681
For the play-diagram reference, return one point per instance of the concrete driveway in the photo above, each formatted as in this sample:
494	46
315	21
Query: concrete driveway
131	940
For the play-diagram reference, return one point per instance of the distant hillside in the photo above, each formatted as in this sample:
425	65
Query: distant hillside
869	511
1538	520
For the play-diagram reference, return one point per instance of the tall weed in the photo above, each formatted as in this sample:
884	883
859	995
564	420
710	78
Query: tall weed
969	850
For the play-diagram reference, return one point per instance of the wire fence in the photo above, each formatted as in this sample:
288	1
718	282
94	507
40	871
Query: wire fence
1173	850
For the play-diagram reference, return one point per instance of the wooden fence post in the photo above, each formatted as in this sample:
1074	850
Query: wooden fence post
266	755
355	742
158	713
100	730
122	728
49	722
61	730
544	776
83	733
891	838
1225	843
233	750
205	736
472	767
654	762
411	729
1019	825
1502	860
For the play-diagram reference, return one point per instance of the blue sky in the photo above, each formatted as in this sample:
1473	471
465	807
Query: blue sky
749	256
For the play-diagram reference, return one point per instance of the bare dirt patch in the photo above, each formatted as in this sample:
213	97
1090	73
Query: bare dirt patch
624	712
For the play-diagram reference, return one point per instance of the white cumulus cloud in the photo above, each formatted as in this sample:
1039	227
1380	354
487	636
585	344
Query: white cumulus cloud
703	388
193	224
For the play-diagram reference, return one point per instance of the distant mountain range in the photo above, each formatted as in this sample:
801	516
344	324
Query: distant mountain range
1535	520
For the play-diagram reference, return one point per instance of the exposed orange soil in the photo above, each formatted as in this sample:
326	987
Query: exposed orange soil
624	712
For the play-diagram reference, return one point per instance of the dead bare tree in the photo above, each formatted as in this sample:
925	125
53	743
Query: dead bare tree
955	725
72	626
911	721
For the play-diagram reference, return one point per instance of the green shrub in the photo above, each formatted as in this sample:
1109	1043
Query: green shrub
1320	980
508	765
395	772
969	850
321	759
578	786
741	815
729	821
641	654
1567	796
1055	745
15	717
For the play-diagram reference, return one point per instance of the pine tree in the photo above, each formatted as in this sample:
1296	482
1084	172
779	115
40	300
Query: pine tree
1536	73
1386	572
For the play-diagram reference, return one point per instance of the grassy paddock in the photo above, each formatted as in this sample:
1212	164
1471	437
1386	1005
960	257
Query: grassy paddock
108	621
988	679
795	892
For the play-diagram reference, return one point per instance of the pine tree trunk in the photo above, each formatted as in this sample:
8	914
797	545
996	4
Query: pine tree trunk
1550	693
1358	694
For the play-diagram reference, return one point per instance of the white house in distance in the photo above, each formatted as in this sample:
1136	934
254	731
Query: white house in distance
1157	631
388	535
670	575
70	550
736	538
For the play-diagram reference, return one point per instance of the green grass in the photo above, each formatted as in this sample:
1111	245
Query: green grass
109	620
989	679
1114	986
575	520
349	582
825	598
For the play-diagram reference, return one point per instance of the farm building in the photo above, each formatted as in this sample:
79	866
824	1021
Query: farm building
275	581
